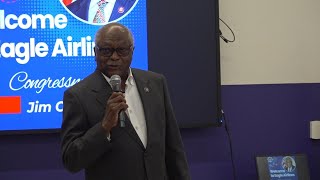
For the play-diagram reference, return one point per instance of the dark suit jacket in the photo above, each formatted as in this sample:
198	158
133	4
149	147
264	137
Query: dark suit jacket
80	8
85	144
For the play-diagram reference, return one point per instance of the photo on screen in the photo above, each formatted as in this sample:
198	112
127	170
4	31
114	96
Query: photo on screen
283	167
45	48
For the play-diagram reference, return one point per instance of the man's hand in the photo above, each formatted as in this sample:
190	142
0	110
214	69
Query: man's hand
115	104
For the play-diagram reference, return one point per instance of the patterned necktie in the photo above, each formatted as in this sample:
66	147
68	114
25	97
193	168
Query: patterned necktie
99	17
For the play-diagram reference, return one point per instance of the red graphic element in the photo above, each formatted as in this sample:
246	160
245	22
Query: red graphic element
10	104
121	10
67	2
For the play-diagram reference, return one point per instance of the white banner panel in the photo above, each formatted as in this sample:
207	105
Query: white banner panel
276	41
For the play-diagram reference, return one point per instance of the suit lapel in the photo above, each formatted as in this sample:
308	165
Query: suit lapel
131	131
103	91
101	88
120	8
145	92
140	82
81	8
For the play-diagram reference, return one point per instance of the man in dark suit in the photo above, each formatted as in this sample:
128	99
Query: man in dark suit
81	8
288	164
149	147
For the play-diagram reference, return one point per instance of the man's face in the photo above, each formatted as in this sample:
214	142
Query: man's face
113	52
289	163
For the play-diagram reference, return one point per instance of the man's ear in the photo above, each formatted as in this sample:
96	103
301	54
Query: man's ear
95	53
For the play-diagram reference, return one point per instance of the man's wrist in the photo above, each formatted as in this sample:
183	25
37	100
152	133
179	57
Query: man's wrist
106	131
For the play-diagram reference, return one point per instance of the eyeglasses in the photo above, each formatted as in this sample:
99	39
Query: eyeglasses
108	52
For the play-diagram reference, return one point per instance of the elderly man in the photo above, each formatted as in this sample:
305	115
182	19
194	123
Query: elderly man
149	147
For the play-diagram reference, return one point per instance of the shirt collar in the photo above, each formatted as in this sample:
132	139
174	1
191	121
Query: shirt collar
95	2
129	81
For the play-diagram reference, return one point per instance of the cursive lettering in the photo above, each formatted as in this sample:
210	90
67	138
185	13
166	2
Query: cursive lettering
21	81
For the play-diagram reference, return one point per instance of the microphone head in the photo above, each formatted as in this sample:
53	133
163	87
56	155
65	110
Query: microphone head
115	82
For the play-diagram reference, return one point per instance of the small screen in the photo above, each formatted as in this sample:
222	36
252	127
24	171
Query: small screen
283	167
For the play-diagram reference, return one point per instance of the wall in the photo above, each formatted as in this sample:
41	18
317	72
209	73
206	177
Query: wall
277	42
270	93
270	79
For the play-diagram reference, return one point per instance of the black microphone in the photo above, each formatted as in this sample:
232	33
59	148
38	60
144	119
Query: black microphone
115	82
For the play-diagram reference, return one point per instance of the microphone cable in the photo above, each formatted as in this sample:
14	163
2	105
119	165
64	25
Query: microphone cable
222	37
230	144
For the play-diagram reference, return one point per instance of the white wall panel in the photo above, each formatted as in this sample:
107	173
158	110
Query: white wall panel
277	41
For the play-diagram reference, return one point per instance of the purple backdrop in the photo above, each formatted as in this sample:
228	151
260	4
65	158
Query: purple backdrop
262	119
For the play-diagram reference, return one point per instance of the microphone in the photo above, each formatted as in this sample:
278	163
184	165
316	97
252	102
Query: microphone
115	82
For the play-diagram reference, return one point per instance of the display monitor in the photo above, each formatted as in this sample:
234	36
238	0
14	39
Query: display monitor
47	46
283	167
